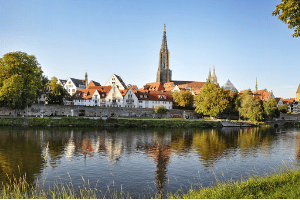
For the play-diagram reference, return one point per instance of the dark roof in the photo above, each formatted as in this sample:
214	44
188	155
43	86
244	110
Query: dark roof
78	82
121	81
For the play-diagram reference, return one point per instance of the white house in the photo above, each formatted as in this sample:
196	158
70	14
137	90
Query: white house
73	84
114	98
116	80
130	99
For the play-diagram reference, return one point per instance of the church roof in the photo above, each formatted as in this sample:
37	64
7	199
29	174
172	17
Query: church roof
229	86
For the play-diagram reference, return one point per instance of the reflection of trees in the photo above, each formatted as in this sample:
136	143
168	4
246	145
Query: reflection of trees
297	147
182	141
249	140
20	154
161	152
210	145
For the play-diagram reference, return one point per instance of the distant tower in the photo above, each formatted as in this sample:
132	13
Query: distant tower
212	77
256	88
164	74
86	80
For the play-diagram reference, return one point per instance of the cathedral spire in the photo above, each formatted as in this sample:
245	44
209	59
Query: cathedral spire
214	72
164	74
256	88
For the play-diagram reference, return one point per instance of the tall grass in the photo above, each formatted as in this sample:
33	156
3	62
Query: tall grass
281	183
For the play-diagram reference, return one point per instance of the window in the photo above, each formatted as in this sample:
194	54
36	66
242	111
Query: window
140	101
102	95
145	96
73	90
109	100
118	100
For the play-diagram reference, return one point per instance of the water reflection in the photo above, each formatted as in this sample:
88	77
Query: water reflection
97	151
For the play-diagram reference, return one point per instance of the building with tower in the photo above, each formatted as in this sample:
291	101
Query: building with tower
212	77
164	74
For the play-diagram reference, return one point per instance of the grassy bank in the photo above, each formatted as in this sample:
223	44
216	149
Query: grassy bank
283	184
79	121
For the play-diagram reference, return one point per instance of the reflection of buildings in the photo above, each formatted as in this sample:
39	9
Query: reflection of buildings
161	151
114	148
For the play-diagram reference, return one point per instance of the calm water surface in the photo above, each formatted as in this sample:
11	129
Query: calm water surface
143	161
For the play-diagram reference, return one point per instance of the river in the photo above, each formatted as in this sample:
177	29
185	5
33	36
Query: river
143	162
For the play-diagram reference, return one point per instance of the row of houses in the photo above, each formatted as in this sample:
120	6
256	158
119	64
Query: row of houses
115	93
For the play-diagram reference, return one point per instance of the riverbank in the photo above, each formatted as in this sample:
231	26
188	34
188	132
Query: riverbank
282	184
109	122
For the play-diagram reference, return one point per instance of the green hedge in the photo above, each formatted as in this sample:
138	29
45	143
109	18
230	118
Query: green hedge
12	121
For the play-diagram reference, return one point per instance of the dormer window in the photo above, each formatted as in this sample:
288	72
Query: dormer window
141	96
85	95
102	95
77	95
145	96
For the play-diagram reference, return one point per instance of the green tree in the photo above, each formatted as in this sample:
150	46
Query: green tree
271	110
288	11
251	107
283	108
21	80
183	99
160	109
211	100
57	92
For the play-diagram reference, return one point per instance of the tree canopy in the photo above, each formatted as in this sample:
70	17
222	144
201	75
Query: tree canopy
57	92
271	109
211	100
251	107
183	99
21	80
288	11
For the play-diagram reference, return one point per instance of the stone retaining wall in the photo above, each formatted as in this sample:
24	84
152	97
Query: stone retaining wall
38	109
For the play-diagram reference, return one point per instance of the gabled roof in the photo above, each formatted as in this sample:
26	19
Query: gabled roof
62	81
78	82
93	83
121	81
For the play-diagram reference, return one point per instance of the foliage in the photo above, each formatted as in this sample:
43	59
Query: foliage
211	100
21	80
283	108
57	92
183	99
271	109
160	109
288	11
232	98
251	107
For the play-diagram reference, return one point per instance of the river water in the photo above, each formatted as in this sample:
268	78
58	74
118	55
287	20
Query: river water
143	162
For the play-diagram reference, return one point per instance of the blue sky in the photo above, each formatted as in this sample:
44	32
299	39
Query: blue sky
240	38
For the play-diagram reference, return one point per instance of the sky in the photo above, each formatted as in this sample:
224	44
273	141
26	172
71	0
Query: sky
241	39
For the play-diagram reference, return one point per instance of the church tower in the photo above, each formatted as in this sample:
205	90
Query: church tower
164	74
212	77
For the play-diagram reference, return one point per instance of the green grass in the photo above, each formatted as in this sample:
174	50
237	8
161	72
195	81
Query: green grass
282	183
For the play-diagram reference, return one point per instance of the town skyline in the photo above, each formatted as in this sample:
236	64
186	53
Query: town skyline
240	39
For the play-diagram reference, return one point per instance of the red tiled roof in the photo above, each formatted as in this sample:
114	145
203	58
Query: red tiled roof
92	84
290	101
197	85
262	94
104	89
157	86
